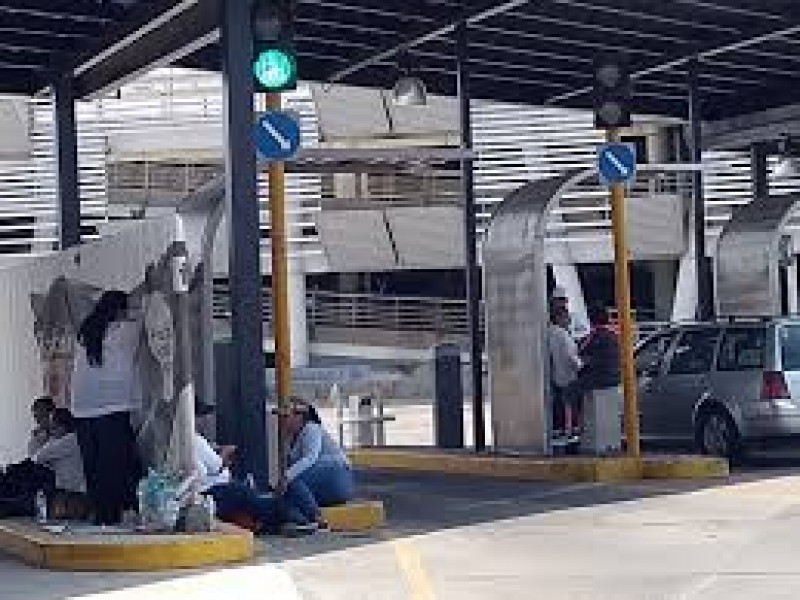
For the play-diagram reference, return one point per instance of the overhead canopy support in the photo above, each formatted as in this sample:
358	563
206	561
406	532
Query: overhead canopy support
179	31
750	251
490	9
66	151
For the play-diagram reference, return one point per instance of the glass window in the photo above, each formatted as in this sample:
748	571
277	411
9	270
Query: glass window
790	347
651	354
694	352
742	349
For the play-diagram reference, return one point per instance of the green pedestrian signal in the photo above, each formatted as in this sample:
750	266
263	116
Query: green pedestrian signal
274	57
275	70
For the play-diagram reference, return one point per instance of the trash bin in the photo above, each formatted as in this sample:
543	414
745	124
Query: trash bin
602	421
448	406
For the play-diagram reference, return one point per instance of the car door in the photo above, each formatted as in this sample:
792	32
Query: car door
687	378
650	360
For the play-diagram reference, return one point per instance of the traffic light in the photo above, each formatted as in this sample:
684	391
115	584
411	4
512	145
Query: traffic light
612	93
274	60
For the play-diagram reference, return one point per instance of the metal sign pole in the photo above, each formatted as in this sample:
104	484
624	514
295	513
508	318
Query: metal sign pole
623	297
280	294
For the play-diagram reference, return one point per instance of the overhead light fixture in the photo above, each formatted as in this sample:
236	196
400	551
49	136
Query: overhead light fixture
409	91
788	163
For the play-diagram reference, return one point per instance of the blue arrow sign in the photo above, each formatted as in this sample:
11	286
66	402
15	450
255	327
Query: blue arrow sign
277	135
616	163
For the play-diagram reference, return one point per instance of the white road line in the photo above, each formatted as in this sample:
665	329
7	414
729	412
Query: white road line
283	142
617	163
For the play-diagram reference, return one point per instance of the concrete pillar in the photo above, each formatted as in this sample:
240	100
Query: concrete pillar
791	287
566	276
299	344
66	150
684	307
664	288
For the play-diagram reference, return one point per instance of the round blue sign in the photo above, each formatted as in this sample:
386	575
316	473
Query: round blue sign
277	135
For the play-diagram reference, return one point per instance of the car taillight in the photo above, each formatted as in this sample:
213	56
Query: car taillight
774	386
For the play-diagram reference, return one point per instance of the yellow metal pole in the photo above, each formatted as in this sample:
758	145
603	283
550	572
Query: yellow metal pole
280	294
623	296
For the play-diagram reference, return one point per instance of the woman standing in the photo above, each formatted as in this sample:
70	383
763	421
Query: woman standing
319	473
105	390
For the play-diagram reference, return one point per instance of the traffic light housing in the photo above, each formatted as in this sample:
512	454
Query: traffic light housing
612	93
274	59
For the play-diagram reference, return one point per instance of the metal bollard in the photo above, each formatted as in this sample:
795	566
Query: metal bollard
366	425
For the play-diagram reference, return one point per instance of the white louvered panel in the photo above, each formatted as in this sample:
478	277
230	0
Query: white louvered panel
356	240
656	225
430	237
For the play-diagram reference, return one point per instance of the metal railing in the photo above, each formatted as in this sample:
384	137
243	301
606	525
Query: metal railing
445	317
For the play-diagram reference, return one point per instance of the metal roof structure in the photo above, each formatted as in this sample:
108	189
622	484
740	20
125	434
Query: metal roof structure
529	51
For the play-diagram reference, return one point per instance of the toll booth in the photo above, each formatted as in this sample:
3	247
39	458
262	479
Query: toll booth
515	288
752	250
516	303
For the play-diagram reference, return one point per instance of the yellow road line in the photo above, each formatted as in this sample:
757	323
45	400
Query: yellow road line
410	561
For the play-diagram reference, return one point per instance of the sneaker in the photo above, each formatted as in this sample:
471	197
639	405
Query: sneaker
298	530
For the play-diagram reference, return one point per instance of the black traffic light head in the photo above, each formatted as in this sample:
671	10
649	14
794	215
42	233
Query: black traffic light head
274	59
612	93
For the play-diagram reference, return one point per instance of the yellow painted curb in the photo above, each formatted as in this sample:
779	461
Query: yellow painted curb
684	467
564	469
24	540
572	468
362	515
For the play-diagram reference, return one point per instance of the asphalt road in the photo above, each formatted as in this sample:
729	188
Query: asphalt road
455	538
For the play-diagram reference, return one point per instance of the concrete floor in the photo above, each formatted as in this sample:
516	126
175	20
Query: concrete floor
463	539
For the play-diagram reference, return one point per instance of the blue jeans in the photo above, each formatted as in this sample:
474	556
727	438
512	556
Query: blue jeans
323	484
235	498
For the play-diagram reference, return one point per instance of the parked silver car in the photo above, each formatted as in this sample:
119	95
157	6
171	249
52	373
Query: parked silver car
726	385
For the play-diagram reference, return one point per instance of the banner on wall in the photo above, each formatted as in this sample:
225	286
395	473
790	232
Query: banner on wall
150	262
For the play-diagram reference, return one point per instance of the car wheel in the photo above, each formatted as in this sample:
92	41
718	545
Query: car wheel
717	435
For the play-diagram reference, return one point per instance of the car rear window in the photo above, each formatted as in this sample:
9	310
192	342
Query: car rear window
742	349
790	347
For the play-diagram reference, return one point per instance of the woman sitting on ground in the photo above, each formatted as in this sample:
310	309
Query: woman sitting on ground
319	473
62	455
235	502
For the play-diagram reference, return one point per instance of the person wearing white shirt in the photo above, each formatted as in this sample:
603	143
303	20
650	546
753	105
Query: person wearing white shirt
234	500
105	390
62	455
565	364
42	411
211	468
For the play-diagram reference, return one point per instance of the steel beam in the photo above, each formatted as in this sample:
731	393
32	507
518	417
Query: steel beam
705	305
759	171
487	12
685	60
472	271
66	141
244	270
179	30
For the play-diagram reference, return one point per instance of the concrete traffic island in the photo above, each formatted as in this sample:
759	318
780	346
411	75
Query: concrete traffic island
356	516
537	468
86	549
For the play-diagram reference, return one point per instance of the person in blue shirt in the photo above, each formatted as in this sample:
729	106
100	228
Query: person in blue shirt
319	473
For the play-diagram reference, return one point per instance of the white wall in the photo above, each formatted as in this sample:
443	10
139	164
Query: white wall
117	261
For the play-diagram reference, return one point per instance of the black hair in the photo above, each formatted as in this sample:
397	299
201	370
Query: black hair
310	414
598	315
63	418
110	308
45	402
203	409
